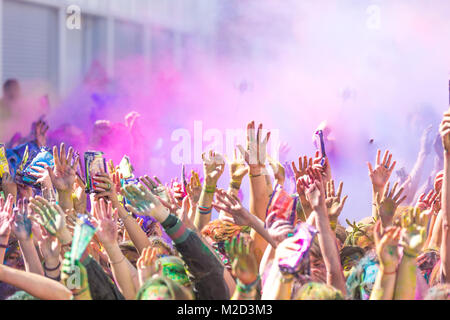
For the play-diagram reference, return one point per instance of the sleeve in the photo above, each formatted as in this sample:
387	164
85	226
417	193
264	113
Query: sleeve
208	272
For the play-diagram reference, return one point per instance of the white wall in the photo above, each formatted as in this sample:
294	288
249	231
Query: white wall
75	49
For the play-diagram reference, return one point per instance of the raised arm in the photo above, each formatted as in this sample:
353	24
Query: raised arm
414	234
21	227
255	157
38	286
6	218
63	175
445	244
106	220
315	193
213	167
380	176
388	256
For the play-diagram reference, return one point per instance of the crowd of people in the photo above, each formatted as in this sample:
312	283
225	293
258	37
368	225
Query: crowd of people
65	234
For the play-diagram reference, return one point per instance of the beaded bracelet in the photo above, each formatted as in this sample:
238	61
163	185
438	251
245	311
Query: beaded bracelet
209	189
204	210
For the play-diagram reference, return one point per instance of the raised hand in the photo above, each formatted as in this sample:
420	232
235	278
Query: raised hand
105	219
388	203
333	200
146	264
324	169
194	188
157	188
244	264
387	247
231	204
9	186
40	133
79	196
427	201
302	166
213	167
312	187
42	176
444	131
105	188
426	140
6	218
143	202
49	245
21	225
414	231
64	173
278	171
382	172
278	229
51	217
238	169
256	152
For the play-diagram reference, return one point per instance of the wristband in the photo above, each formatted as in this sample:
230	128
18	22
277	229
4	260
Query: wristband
254	175
246	288
209	189
4	246
52	269
204	210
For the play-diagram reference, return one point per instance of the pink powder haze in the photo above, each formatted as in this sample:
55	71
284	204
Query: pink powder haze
290	65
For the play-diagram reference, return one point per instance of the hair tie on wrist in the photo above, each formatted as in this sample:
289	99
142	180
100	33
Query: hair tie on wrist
58	278
4	246
52	269
117	261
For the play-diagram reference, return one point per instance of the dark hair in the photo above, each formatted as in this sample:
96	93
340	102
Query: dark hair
9	83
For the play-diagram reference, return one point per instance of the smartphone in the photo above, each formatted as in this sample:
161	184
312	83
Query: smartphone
319	135
299	261
94	163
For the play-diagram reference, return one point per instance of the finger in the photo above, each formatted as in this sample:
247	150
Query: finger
339	192
386	153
